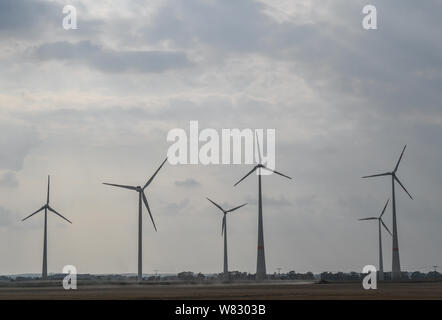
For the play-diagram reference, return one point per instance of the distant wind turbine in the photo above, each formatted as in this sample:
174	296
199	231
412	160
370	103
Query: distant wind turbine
396	264
380	222
224	231
141	197
261	263
46	207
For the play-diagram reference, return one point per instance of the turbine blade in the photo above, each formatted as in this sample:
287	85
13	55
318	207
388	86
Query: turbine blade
385	207
50	209
120	186
400	158
378	175
248	174
372	218
274	171
259	149
148	209
236	208
49	182
386	227
397	179
224	225
34	213
217	205
151	178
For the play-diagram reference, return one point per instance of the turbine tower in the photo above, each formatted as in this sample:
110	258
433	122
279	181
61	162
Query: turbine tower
141	198
396	264
380	222
46	207
224	231
261	263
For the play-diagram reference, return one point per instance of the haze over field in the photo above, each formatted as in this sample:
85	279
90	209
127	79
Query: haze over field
95	105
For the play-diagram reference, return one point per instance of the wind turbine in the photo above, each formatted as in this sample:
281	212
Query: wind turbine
380	222
224	231
46	207
141	197
396	265
261	263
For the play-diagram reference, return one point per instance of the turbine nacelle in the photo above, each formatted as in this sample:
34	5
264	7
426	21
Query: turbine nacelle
380	218
393	174
47	207
225	212
140	190
260	166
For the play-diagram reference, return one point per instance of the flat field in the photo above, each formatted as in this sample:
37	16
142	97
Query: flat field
225	291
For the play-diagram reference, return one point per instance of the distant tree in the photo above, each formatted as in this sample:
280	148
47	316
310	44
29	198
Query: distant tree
404	275
185	275
200	276
418	276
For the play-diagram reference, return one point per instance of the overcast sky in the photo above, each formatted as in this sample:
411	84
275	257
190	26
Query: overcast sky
95	105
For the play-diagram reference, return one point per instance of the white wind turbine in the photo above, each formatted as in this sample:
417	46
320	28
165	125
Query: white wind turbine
261	263
224	232
380	222
141	198
396	264
46	207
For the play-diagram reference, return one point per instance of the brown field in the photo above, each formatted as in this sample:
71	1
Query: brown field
260	291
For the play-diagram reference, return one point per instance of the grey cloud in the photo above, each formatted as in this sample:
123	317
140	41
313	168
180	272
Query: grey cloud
35	20
209	111
27	18
8	180
367	64
72	115
174	208
16	141
112	61
334	54
188	183
5	217
222	24
308	201
232	26
281	201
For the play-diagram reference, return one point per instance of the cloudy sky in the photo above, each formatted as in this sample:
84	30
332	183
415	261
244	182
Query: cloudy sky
95	104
